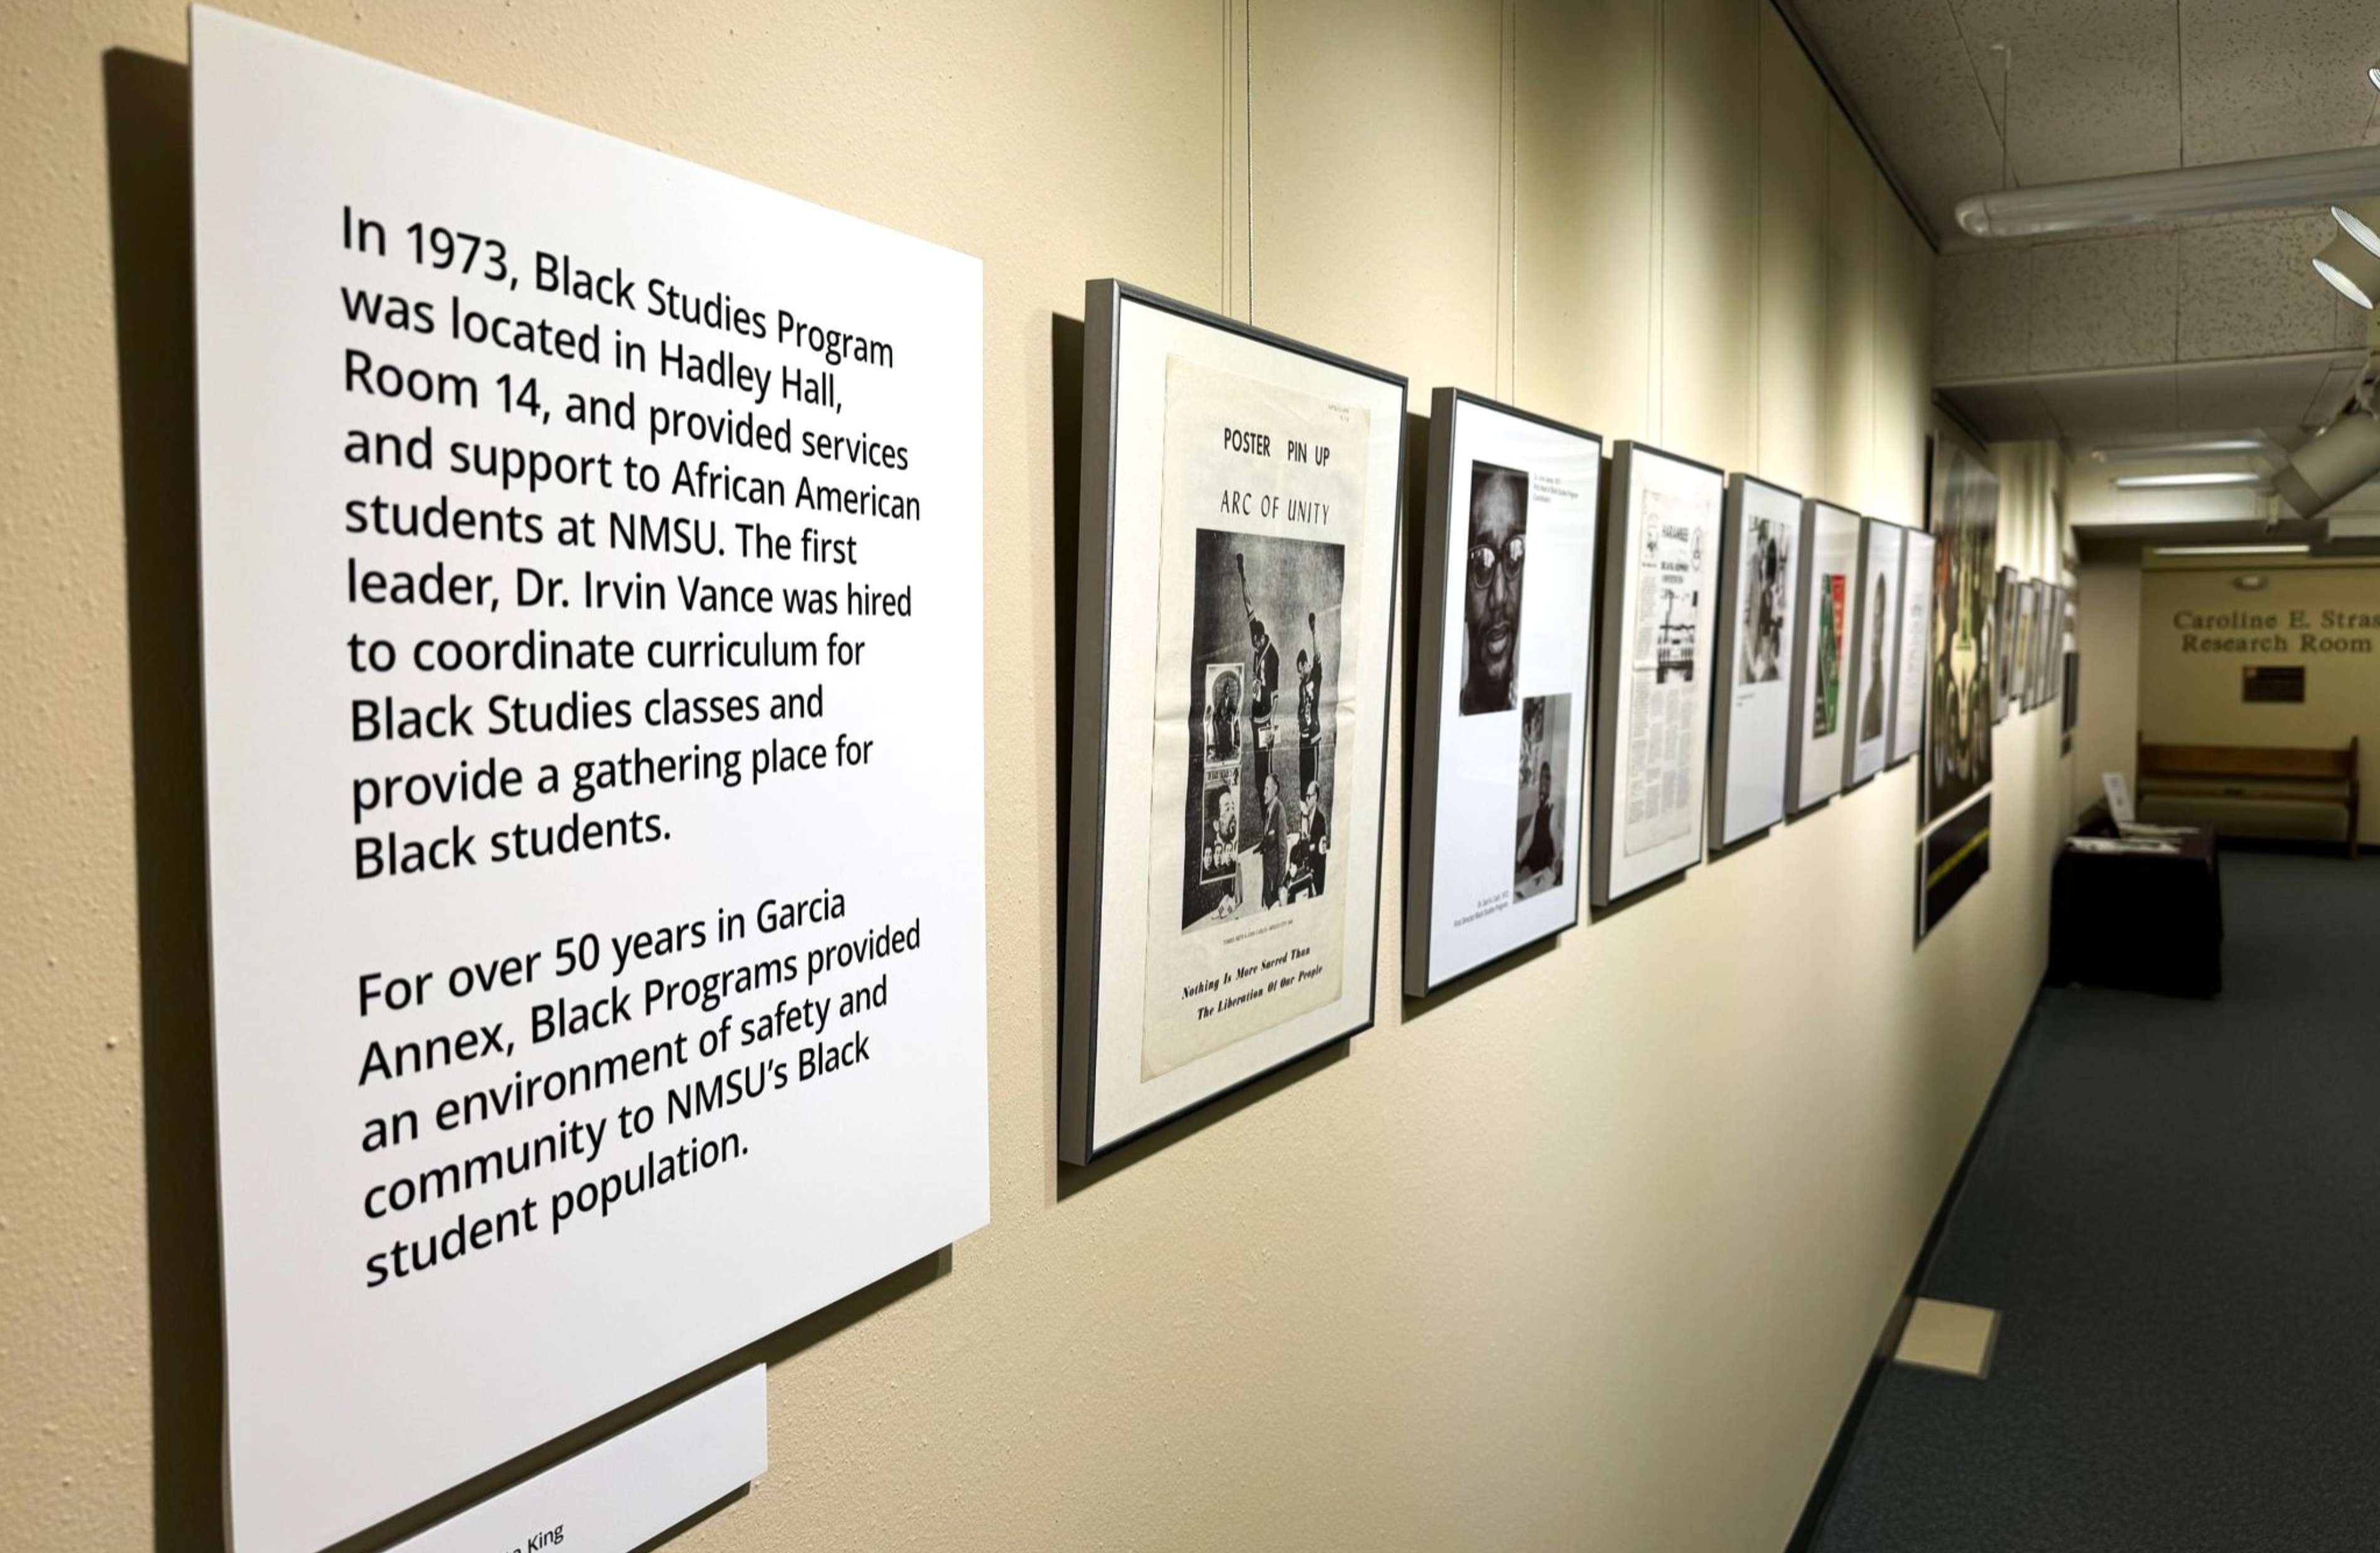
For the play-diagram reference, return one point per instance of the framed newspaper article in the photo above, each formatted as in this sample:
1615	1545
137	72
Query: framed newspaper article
1236	613
1916	645
1826	592
1652	713
1501	699
2004	640
1752	701
1874	628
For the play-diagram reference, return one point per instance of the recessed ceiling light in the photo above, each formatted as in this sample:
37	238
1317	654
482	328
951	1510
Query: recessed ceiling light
2201	478
2228	550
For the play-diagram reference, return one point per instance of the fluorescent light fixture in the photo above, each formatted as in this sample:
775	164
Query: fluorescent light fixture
2360	219
2228	550
2201	478
2352	268
2321	178
2129	453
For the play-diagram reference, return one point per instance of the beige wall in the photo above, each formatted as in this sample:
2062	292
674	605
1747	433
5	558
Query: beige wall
2193	697
2108	637
1591	1254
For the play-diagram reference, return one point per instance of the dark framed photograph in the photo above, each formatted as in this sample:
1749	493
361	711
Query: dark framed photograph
1652	680
1236	615
1828	597
1499	778
1918	557
1752	704
1876	623
2006	686
1963	505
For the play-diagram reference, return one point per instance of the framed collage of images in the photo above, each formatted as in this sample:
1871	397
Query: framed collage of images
1751	693
1236	614
1499	783
1660	550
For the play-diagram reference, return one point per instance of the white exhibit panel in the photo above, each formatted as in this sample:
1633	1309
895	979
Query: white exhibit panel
1236	618
1499	765
1875	624
1752	708
619	1495
1662	546
591	547
1916	646
1824	601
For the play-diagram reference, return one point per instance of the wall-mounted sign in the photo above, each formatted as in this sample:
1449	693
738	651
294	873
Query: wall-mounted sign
593	558
2273	681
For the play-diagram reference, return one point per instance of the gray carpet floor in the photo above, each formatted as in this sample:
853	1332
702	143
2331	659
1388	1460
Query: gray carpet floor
2176	1209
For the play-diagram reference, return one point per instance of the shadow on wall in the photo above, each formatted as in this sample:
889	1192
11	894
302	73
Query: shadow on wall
148	115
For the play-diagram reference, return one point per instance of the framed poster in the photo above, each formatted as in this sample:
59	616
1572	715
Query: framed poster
2028	644
1963	501
1652	709
1237	609
1876	645
2006	687
1951	859
1500	776
1916	639
1752	701
1825	597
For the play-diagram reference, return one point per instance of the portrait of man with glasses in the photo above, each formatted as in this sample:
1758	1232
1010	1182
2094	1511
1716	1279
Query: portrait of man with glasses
1491	588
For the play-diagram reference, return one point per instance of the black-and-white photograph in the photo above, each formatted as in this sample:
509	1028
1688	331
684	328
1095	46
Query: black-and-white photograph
1491	587
1537	845
1768	585
1265	640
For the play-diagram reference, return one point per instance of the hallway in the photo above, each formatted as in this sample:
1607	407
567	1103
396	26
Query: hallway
2176	1210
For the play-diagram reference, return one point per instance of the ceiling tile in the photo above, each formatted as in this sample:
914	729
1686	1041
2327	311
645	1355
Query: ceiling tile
2247	289
2105	303
2004	412
2270	80
2091	85
1904	69
1980	314
2228	395
2093	405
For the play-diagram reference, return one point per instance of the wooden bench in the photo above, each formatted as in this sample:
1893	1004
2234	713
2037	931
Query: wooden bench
2226	786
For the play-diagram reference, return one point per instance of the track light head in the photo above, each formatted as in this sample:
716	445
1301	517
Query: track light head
2350	267
2360	219
2331	464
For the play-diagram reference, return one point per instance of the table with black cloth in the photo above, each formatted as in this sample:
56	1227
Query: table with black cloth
2149	921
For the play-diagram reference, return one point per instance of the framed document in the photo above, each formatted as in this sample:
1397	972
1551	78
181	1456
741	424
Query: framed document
1875	624
1652	710
1824	600
1752	701
1237	609
1500	726
2005	684
1916	641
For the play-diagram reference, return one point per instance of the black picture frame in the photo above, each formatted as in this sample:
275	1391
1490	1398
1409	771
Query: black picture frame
1735	824
1454	414
1622	538
1117	529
